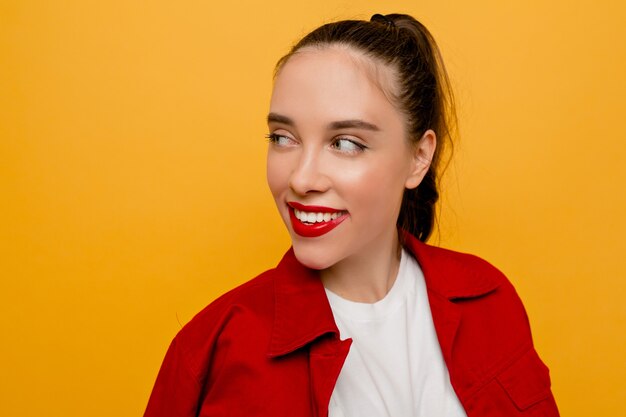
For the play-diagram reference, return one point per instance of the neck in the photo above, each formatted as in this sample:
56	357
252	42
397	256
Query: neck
368	276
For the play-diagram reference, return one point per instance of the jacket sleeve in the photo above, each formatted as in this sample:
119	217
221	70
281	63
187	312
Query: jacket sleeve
176	391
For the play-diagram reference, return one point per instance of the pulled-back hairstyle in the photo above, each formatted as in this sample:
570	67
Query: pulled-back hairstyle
423	93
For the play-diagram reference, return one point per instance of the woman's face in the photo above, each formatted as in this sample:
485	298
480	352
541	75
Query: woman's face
338	159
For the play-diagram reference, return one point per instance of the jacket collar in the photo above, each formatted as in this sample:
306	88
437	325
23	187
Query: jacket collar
452	275
303	314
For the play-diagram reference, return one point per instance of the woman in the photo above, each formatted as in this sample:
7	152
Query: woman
360	318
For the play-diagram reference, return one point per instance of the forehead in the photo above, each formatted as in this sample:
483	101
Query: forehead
334	79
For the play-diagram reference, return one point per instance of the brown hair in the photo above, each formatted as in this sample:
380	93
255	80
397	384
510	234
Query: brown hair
423	93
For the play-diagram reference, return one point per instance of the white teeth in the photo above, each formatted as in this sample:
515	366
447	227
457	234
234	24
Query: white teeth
310	217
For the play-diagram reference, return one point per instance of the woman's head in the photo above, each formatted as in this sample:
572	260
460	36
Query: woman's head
359	71
420	89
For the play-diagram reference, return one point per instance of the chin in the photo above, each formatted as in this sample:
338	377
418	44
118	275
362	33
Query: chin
314	259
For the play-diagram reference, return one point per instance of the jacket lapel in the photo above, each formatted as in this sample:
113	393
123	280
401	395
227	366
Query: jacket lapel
446	318
302	312
450	276
303	315
326	359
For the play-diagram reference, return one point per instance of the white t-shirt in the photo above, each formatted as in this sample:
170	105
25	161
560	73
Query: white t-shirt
395	367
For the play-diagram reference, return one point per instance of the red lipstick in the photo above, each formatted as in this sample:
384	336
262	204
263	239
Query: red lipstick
306	229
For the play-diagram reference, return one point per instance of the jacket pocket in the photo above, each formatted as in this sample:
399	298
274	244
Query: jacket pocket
526	381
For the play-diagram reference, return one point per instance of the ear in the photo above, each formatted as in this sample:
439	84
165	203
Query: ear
423	152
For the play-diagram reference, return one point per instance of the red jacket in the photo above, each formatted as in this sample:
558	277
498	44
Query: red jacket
271	347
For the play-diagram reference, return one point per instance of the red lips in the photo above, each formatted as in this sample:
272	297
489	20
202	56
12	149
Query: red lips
314	229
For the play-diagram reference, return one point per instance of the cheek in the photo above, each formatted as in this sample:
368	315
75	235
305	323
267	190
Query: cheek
375	186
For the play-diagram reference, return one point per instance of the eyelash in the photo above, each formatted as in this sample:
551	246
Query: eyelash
274	138
360	146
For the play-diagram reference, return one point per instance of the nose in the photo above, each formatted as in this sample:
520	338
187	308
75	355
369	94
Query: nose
308	176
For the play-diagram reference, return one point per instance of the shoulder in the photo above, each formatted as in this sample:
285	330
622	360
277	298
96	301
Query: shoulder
455	274
250	301
461	262
491	354
241	315
481	293
462	276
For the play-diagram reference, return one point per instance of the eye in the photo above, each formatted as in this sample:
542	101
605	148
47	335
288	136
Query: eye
280	140
348	146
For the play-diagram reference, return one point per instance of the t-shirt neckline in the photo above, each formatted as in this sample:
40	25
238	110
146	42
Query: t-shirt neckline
395	298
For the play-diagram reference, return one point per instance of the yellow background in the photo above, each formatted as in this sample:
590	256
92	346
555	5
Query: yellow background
132	186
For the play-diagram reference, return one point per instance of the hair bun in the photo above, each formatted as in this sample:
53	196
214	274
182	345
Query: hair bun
379	18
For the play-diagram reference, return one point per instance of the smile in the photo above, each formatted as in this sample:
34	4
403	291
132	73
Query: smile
312	217
314	221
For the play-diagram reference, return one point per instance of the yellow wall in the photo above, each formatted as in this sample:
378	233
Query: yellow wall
132	187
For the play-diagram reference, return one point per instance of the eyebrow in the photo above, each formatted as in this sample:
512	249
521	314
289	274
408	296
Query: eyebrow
340	124
354	123
279	118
